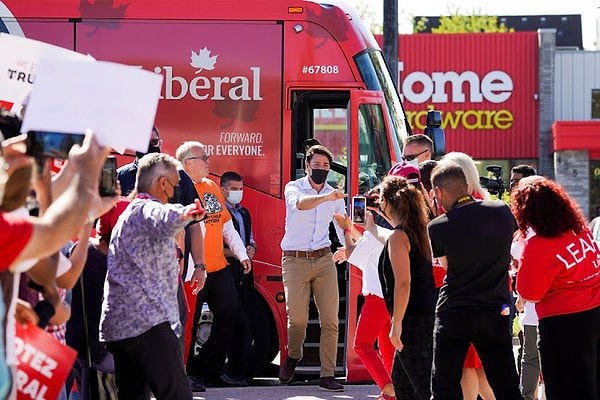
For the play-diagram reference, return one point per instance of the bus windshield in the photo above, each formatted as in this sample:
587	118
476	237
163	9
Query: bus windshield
376	76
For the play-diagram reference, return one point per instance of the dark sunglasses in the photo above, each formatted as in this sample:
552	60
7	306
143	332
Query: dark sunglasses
413	156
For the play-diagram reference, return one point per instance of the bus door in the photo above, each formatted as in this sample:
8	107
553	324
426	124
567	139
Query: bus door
354	126
370	157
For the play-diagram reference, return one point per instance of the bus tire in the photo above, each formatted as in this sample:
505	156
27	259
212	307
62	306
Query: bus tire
264	344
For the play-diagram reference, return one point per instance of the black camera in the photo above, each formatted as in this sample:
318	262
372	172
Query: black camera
435	132
494	185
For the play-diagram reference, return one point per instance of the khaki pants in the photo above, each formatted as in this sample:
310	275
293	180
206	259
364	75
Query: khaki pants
301	276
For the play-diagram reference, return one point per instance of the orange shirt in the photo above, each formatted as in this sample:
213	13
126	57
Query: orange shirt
216	216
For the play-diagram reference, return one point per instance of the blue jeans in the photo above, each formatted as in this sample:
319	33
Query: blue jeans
488	330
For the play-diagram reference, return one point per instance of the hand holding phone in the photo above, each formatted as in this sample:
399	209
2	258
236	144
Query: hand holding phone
43	144
359	208
108	177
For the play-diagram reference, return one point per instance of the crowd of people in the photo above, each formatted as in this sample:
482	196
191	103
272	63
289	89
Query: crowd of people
436	255
117	297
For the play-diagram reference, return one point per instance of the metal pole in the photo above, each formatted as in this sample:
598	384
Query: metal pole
390	37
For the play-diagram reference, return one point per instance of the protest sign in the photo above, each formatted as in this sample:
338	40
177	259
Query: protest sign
117	102
18	64
43	363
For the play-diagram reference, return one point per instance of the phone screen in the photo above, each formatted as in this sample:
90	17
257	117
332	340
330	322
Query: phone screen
108	178
359	207
41	144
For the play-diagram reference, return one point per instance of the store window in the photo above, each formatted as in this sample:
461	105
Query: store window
594	189
596	103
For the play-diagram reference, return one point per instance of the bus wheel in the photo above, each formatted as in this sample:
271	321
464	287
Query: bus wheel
263	342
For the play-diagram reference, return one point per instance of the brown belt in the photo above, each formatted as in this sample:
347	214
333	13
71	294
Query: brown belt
307	254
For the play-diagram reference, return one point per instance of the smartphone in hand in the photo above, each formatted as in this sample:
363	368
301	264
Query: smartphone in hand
359	208
43	144
108	178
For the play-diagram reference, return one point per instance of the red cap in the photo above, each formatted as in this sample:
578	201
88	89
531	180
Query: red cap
406	170
107	222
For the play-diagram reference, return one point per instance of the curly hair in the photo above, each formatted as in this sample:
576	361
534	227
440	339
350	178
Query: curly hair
543	205
410	207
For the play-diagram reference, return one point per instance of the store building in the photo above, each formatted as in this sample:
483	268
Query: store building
509	99
576	130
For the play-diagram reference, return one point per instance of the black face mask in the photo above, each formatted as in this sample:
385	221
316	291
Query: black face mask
151	149
319	176
176	198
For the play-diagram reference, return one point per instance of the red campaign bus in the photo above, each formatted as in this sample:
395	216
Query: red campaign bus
252	80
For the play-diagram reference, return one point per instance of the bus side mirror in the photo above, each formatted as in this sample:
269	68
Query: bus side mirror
435	132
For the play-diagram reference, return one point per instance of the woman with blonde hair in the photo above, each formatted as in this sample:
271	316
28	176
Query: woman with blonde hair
470	169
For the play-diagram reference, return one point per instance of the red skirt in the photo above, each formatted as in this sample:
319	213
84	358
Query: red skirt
472	359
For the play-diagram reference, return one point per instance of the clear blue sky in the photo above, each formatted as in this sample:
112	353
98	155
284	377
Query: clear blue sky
589	10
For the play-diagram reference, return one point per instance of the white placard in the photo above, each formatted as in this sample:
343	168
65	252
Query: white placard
18	64
117	102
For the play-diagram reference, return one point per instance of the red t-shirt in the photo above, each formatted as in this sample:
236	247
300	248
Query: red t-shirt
561	274
15	232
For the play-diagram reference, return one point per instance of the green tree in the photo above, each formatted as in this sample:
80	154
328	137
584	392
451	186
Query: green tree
457	23
365	10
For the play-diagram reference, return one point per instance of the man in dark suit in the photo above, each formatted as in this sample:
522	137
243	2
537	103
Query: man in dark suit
232	186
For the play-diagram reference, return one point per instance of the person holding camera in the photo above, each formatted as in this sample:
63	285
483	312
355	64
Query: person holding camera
519	172
307	265
472	241
406	278
25	238
363	251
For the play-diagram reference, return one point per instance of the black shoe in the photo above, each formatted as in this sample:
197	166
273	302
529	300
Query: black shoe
228	381
197	384
329	383
286	371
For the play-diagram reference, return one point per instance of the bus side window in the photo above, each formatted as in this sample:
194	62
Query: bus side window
300	165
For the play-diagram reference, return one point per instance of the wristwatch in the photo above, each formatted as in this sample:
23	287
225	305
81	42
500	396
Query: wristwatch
202	266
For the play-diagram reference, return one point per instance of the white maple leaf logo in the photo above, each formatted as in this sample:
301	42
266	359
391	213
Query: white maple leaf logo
203	60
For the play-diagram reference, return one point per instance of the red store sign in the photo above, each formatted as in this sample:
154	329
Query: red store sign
484	84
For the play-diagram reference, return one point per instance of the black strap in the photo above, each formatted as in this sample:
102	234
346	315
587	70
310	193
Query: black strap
88	354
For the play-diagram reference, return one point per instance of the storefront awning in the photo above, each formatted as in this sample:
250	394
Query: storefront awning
577	135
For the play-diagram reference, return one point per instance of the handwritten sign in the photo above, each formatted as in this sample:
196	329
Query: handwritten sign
117	102
18	64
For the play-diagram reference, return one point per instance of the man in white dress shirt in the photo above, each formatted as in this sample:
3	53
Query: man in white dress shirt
307	264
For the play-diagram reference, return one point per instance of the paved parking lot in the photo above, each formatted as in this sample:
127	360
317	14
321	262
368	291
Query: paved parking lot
272	390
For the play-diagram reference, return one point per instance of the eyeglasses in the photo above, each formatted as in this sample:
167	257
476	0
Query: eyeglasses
203	158
155	142
413	156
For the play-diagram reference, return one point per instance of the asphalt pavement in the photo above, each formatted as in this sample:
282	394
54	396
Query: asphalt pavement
271	389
